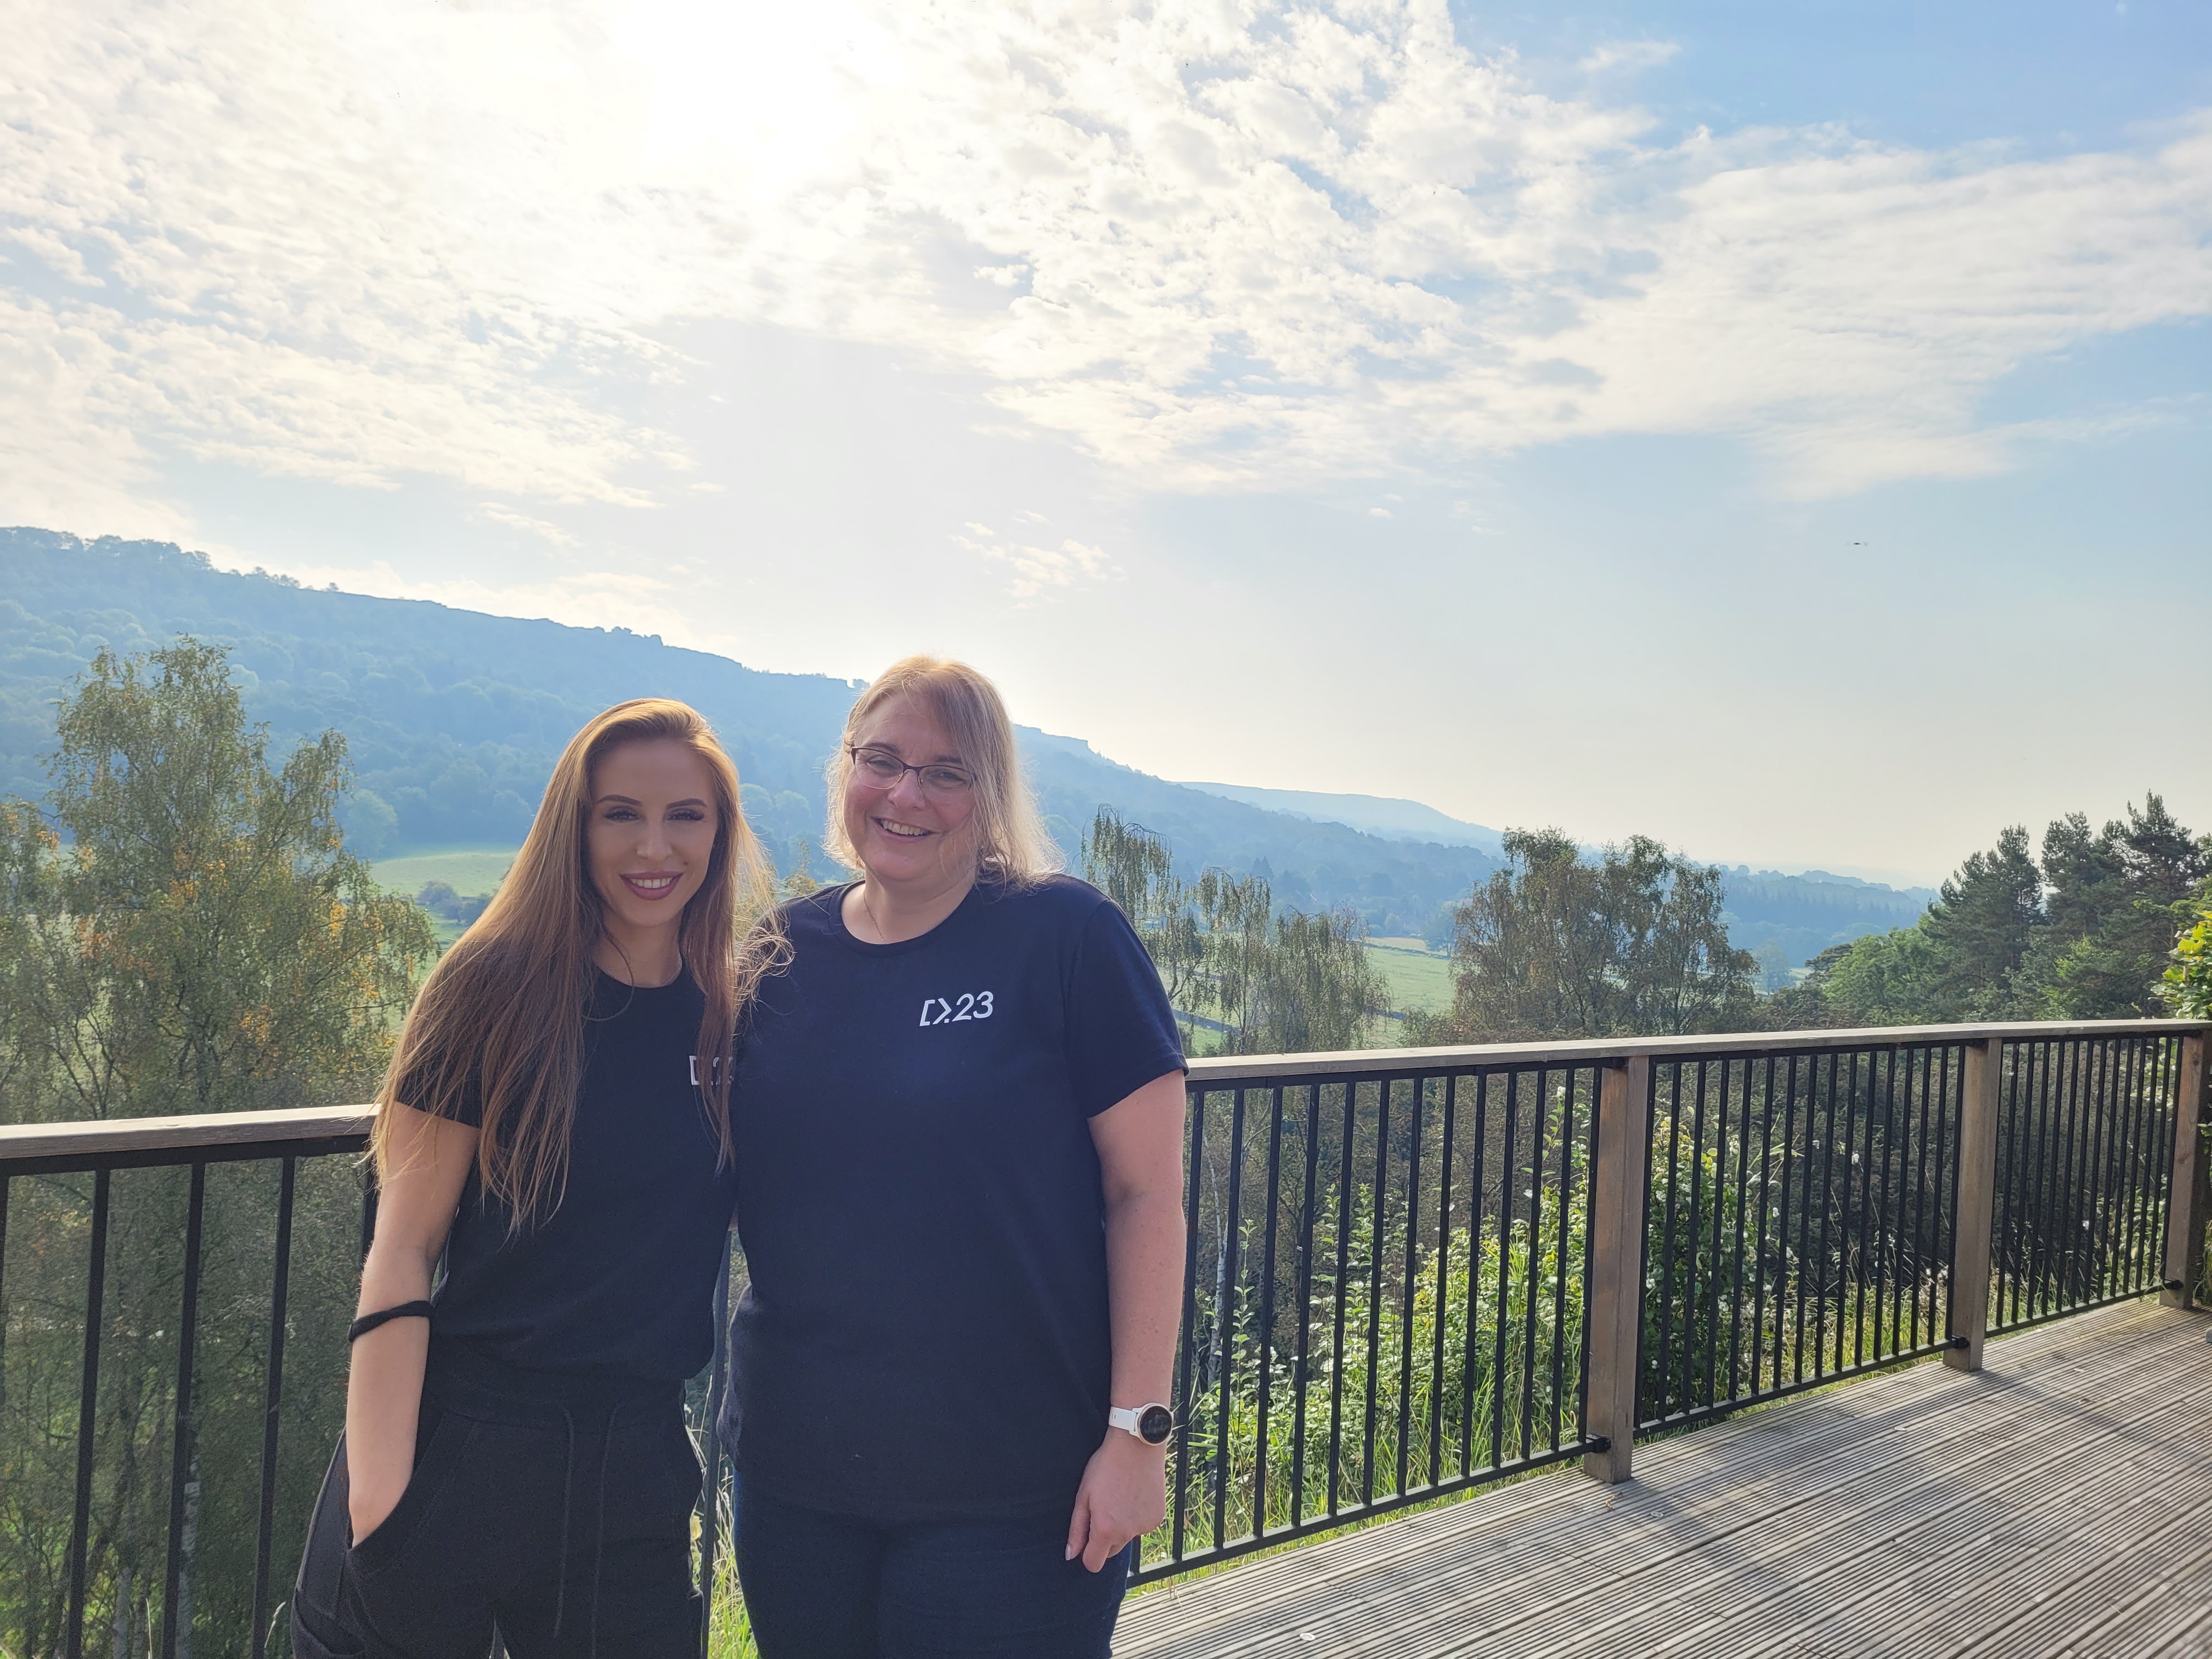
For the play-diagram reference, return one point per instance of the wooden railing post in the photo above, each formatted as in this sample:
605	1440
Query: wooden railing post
1976	1211
1616	1290
2185	1198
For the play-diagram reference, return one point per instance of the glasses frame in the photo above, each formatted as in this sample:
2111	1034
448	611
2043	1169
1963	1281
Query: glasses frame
966	784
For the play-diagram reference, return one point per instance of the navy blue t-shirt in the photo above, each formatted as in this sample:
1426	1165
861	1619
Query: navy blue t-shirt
925	1336
619	1280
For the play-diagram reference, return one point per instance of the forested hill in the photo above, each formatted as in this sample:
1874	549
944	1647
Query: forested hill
454	718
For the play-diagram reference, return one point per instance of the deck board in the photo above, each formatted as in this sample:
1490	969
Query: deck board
2058	1501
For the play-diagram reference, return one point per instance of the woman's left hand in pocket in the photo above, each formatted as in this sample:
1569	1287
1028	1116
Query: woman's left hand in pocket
1124	1495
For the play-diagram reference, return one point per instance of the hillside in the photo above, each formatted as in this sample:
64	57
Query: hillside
1378	814
453	718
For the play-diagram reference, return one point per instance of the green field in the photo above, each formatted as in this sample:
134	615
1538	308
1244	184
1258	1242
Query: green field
1415	976
466	870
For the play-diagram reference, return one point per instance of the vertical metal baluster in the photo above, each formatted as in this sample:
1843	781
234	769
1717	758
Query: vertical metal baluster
1930	1059
1742	1200
2128	1163
7	1184
1474	1201
2094	1141
1378	1231
1795	1161
1312	1161
1693	1320
1226	1296
1650	1108
87	1414
2140	1140
2177	1117
1877	1218
1343	1268
717	1383
1267	1311
180	1445
279	1306
1946	1167
1185	1370
1589	1265
2068	1179
1661	1408
1827	1211
1559	1254
1864	1113
2104	1121
2036	1218
367	1208
1765	1214
2111	1224
1444	1182
1412	1278
1509	1150
2130	1279
1850	1250
2151	1268
2012	1172
1534	1193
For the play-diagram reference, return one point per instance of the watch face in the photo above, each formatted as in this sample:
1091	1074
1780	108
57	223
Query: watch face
1155	1423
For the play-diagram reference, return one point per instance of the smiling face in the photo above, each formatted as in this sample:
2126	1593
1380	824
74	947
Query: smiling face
648	840
908	836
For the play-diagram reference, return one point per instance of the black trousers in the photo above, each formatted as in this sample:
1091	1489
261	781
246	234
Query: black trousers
558	1509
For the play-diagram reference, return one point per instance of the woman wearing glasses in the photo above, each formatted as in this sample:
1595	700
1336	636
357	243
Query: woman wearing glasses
958	1123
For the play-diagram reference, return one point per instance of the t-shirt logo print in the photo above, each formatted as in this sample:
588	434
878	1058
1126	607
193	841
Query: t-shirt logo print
972	1004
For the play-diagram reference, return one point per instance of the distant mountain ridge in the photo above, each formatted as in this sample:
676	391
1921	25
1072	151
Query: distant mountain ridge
1376	814
453	718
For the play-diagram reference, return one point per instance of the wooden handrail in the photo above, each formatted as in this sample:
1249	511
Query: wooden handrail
1225	1072
215	1132
233	1131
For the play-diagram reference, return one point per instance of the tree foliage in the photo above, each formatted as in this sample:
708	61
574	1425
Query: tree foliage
2186	986
188	932
181	931
2087	932
1632	943
1259	980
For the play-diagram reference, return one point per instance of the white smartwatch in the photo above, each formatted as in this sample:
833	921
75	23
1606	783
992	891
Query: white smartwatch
1151	1424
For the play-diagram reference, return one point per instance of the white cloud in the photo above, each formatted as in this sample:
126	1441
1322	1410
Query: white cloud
493	512
1215	247
1035	571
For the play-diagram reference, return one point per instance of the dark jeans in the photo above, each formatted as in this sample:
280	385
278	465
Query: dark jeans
559	1509
827	1587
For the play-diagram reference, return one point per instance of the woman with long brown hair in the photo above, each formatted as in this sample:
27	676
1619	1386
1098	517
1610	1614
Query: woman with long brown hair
555	1125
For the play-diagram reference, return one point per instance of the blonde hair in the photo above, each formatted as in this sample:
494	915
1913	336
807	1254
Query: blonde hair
503	1012
1011	846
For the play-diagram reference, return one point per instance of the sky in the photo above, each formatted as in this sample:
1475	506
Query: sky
1780	430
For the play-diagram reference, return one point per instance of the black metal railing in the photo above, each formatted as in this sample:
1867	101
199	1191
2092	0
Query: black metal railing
1382	1296
2085	1147
1800	1226
1388	1297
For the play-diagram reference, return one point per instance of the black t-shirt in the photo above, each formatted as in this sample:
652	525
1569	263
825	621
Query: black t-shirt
619	1280
925	1336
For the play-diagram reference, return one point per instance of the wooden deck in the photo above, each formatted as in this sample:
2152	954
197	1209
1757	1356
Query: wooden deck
2057	1503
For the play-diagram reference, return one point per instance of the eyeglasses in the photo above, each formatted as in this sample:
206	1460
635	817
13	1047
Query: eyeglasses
883	769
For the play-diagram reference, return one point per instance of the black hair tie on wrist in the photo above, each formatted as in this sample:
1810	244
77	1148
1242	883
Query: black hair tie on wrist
369	1321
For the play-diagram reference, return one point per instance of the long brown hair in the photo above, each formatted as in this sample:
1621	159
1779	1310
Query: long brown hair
503	1012
1011	846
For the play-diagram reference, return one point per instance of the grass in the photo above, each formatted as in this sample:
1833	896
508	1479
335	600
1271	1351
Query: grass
1413	976
466	870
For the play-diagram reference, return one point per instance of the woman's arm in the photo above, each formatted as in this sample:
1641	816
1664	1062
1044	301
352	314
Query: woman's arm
429	1158
1139	1141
